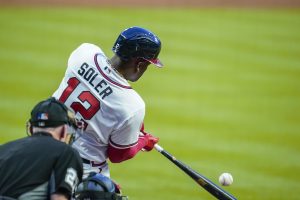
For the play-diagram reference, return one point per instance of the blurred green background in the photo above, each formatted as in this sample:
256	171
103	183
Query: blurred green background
228	99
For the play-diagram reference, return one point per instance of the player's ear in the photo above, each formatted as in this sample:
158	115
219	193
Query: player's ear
63	132
139	63
28	128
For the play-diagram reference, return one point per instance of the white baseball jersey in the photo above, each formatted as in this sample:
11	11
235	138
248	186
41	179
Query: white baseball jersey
111	110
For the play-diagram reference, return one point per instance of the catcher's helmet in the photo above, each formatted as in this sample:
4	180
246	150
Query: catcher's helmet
136	42
98	187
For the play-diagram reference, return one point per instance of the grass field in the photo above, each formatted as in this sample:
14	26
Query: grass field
227	100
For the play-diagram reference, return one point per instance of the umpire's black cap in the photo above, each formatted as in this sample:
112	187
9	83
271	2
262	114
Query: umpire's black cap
49	113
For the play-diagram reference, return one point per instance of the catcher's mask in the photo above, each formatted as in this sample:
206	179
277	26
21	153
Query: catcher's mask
98	187
52	113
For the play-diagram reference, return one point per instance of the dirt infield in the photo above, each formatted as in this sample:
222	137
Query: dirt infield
163	3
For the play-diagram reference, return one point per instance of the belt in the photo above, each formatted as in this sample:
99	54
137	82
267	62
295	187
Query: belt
93	163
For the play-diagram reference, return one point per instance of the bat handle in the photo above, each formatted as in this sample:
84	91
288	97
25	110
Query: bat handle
158	148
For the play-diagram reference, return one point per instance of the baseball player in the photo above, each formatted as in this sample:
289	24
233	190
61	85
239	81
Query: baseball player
97	90
42	165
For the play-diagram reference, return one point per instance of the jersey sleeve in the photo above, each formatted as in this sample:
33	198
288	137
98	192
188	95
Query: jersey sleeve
68	171
128	134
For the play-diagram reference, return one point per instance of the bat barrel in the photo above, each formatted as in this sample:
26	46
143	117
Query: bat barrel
204	182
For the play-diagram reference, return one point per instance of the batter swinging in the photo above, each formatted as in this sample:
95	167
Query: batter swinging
97	90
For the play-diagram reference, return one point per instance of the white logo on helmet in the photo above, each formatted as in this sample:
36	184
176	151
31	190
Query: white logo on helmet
117	47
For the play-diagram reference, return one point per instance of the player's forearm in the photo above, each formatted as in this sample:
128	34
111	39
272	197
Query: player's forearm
117	155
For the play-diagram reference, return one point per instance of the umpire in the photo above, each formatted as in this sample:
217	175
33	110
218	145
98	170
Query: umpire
42	166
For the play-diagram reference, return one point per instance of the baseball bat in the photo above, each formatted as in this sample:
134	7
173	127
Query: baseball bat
204	182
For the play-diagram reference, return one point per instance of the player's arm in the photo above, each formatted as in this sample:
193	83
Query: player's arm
125	143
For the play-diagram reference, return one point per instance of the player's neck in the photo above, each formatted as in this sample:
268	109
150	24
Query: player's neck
115	63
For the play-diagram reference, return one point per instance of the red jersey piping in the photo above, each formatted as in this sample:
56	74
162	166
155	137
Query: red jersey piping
106	77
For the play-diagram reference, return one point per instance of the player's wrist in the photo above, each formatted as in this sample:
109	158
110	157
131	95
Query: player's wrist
150	142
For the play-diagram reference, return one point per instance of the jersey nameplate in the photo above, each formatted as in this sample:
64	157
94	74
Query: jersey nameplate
100	85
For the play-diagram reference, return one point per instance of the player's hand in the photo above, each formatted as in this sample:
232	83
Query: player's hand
150	141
